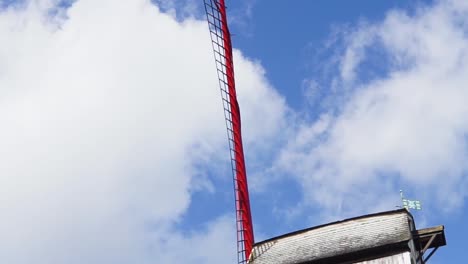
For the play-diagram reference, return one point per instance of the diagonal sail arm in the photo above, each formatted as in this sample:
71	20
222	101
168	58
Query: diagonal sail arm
222	47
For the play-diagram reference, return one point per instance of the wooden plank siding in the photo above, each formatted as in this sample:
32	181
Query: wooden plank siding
402	258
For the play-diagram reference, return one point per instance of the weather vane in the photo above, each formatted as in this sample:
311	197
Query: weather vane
410	204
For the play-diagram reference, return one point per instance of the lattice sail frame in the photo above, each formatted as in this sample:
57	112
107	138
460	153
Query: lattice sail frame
222	47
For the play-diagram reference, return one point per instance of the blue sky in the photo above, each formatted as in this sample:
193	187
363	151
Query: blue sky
115	109
287	37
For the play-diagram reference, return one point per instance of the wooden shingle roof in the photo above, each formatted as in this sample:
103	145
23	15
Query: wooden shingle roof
335	239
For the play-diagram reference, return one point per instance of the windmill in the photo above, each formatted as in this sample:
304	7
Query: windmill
222	47
389	237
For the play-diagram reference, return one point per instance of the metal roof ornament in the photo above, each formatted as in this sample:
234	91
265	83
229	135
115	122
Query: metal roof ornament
410	204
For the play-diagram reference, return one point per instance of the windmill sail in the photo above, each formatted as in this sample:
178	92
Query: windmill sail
222	47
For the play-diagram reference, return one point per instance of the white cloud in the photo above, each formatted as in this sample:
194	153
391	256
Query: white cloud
107	109
406	128
101	111
214	245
